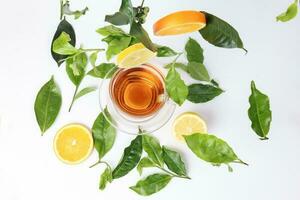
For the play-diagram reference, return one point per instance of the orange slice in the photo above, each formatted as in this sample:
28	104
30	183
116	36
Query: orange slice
179	23
73	143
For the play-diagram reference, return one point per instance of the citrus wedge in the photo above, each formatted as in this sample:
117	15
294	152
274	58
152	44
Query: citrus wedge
134	55
179	23
187	124
73	143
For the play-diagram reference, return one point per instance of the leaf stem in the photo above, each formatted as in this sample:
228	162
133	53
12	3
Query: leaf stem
176	58
95	49
100	162
240	162
73	99
142	4
172	174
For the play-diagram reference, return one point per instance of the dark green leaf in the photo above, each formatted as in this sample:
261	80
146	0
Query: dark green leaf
200	93
75	67
47	105
145	162
290	13
62	45
141	35
164	51
102	70
177	65
77	13
131	157
109	30
194	52
221	34
259	112
152	184
211	149
64	26
198	71
152	147
173	161
124	16
106	177
85	91
104	134
176	88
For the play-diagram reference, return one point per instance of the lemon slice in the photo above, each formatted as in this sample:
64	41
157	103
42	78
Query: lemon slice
187	124
134	55
73	143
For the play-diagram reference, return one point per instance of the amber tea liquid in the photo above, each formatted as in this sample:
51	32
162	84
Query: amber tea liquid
138	91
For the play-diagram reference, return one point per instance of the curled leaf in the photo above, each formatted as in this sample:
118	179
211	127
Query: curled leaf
124	16
62	45
290	13
77	13
144	162
106	177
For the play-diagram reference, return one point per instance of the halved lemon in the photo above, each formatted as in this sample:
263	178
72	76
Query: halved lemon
134	55
187	124
73	143
179	23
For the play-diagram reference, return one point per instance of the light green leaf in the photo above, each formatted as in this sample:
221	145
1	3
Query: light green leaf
75	67
106	177
176	88
104	134
144	162
62	45
85	91
290	13
152	184
109	30
198	71
152	147
211	149
259	112
47	105
194	52
177	65
103	70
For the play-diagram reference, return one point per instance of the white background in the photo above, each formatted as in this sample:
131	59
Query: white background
29	169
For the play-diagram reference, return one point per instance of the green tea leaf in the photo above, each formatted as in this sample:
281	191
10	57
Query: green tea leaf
152	147
176	88
198	71
211	149
109	30
106	177
102	70
221	34
116	44
124	16
75	67
194	52
290	13
47	105
200	93
259	112
85	91
104	134
131	157
62	45
77	13
152	184
164	51
64	26
145	162
141	35
173	161
177	65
